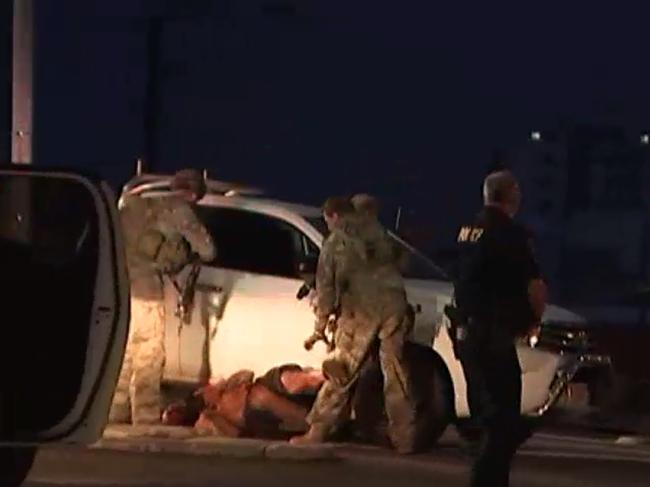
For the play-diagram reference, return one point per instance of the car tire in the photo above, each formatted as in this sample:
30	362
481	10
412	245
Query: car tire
433	394
16	464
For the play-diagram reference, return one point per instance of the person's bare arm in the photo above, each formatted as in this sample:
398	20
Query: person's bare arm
212	422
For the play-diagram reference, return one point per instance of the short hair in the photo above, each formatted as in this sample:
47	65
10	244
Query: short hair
497	185
189	180
365	203
338	205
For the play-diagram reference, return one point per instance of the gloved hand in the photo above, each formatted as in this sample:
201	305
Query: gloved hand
321	325
313	300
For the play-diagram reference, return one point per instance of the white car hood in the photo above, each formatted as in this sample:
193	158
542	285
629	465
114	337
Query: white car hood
557	314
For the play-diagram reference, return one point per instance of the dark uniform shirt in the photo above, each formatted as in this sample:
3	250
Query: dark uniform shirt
496	266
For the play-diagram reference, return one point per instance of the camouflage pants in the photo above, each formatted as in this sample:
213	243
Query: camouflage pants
137	397
353	341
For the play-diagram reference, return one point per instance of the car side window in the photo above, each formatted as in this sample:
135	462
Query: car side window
309	248
253	242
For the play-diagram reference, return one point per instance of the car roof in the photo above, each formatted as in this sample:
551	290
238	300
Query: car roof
221	193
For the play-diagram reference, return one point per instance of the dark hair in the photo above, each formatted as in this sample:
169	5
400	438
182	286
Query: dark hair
338	205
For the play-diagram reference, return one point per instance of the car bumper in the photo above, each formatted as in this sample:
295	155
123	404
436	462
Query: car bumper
565	374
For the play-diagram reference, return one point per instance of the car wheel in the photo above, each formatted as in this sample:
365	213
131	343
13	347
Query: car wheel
16	464
433	394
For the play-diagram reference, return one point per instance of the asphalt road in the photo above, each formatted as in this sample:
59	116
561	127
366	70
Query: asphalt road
547	460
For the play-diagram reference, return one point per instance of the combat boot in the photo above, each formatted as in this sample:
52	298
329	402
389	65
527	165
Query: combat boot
317	434
403	444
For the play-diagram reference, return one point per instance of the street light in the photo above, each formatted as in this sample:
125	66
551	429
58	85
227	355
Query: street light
535	136
22	81
645	139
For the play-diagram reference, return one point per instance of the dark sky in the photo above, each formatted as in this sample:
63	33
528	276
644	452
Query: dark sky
340	96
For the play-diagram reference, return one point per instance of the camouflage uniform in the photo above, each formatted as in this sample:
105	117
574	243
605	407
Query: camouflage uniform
357	274
137	397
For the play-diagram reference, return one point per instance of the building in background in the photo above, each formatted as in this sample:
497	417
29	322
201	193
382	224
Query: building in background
586	191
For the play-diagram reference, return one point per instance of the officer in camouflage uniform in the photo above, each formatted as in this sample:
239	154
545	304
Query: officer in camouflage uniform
161	234
367	211
357	282
369	412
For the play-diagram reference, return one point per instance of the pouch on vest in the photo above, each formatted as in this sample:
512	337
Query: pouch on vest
173	255
149	244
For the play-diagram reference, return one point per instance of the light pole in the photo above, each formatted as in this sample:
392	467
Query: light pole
22	82
6	29
16	114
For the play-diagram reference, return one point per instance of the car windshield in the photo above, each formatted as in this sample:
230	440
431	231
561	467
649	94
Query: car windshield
418	267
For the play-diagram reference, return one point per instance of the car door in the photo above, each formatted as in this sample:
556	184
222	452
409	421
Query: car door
248	307
65	303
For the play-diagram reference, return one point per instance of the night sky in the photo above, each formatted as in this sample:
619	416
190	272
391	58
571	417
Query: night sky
405	99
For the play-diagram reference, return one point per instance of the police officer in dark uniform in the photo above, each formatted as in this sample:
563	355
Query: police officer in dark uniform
497	297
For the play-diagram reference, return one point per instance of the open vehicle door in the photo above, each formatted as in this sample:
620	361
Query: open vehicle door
65	311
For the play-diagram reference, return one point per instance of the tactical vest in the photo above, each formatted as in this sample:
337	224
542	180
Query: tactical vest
166	254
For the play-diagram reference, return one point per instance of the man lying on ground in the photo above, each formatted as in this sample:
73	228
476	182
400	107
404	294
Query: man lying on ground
273	406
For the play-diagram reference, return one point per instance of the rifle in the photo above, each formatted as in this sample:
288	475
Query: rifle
186	293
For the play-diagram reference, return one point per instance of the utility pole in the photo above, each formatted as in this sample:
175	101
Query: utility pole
18	93
22	81
6	30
